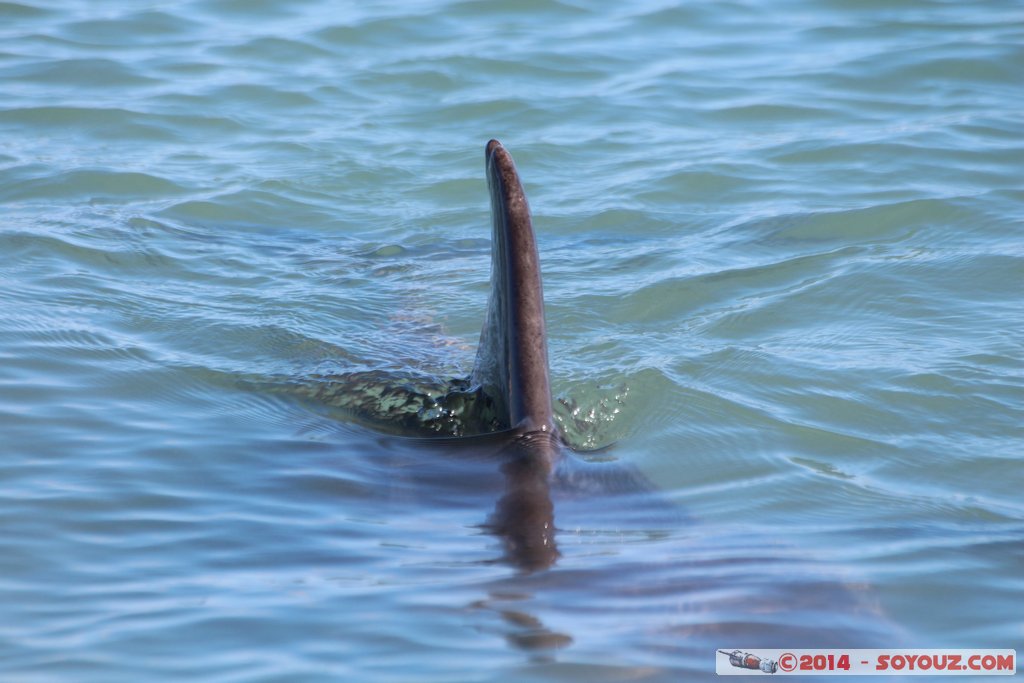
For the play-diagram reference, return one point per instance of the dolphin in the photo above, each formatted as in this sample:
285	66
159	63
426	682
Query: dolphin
500	445
499	441
509	390
505	406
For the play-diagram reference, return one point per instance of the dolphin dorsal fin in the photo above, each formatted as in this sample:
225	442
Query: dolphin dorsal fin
512	359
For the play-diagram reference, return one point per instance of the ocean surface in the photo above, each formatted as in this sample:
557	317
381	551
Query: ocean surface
783	251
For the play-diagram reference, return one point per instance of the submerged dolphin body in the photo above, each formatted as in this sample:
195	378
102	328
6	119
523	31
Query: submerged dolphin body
499	445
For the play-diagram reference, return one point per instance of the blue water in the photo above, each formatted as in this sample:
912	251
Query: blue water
783	252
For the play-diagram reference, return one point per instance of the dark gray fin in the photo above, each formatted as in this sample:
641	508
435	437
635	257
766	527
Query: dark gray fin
512	359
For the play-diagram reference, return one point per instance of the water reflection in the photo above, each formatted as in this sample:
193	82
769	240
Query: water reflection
524	516
522	629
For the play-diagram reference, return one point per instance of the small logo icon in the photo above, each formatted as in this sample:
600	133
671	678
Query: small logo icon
787	661
745	660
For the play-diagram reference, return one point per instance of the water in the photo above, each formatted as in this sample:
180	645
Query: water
783	257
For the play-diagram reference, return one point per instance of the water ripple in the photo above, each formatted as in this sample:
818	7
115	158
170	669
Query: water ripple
782	278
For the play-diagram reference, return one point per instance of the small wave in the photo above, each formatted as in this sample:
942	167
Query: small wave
276	50
15	11
99	186
131	28
82	72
